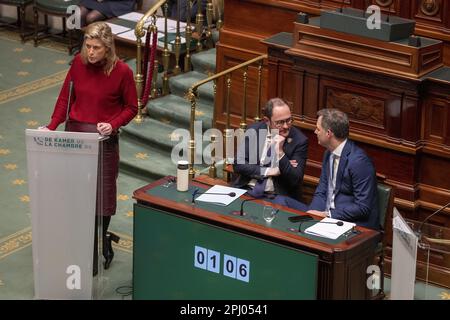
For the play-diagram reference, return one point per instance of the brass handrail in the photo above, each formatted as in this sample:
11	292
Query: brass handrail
225	72
192	96
139	29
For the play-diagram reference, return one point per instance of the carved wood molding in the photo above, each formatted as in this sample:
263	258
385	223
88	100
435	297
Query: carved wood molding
430	7
363	53
363	109
384	3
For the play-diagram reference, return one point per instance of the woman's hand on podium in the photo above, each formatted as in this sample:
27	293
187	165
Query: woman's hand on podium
105	129
43	128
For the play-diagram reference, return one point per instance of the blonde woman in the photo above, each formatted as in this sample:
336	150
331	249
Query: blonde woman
103	99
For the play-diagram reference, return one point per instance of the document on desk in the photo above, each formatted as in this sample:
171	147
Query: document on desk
116	29
160	23
220	195
129	35
132	16
328	228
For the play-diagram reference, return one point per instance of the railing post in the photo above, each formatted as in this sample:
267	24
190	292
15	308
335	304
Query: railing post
139	79
199	25
212	168
243	124
177	68
258	100
226	176
192	98
165	54
188	36
209	20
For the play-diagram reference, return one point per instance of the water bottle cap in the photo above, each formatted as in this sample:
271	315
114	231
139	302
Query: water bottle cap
183	164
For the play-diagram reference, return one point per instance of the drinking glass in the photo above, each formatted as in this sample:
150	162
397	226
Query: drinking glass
269	213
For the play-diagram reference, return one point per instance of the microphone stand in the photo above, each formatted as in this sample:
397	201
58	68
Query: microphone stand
389	12
419	230
342	6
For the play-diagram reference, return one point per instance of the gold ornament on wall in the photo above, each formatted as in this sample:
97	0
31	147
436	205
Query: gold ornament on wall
384	3
430	7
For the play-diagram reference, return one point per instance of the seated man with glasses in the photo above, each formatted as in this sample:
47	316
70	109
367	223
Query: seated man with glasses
272	156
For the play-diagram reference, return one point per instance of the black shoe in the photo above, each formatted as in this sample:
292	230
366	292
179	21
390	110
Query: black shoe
108	252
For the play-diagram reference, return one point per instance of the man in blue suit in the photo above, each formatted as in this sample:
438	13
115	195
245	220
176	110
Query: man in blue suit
348	188
273	156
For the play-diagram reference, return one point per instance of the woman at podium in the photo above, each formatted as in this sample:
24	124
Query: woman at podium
99	95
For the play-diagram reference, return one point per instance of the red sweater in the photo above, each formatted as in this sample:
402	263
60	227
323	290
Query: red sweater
97	97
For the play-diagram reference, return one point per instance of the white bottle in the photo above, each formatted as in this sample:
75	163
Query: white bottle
183	175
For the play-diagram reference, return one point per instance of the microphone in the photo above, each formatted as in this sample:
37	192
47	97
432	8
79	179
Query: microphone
389	12
69	98
241	211
196	192
342	5
419	231
338	223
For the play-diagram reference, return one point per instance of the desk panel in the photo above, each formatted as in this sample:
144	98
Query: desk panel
181	258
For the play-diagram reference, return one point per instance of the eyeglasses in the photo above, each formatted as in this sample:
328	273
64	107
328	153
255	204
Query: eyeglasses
280	123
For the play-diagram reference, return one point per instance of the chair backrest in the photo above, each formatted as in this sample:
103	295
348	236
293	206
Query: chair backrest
385	203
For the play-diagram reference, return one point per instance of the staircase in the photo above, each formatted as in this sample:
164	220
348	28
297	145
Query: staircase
145	148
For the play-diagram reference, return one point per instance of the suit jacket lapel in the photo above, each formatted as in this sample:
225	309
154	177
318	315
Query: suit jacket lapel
342	164
287	148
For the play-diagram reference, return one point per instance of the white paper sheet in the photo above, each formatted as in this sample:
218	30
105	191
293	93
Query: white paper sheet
129	35
132	16
171	24
116	29
220	199
329	230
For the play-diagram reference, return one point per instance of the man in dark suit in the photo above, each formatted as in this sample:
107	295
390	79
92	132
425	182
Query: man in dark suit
274	154
348	188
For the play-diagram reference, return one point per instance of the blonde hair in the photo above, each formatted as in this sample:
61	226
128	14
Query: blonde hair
101	31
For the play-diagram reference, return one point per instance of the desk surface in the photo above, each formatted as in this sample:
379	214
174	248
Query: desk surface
280	229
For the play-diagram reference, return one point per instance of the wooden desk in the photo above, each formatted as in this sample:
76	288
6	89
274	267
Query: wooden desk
342	264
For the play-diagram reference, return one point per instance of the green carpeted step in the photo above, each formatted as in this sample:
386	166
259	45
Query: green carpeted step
151	132
205	61
145	161
178	110
154	133
180	84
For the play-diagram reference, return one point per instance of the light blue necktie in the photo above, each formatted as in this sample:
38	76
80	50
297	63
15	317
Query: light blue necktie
330	182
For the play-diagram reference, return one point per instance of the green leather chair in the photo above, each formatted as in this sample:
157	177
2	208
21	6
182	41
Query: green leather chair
385	208
54	8
21	21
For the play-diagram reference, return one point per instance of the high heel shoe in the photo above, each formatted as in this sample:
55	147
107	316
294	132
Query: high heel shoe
108	252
